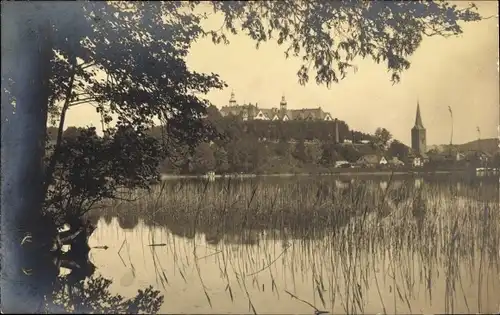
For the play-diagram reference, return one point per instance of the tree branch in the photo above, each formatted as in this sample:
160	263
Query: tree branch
83	101
84	66
49	171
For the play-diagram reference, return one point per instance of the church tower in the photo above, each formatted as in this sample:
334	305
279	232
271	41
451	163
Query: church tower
283	104
418	139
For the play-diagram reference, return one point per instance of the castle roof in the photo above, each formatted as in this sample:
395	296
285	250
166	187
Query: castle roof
292	114
252	111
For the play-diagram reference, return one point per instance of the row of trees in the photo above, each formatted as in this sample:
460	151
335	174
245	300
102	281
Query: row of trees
247	153
256	147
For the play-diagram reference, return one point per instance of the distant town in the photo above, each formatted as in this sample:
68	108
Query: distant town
279	140
417	157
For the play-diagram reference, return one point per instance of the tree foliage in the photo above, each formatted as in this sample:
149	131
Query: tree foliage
328	35
93	168
399	150
251	146
496	160
72	132
382	137
204	159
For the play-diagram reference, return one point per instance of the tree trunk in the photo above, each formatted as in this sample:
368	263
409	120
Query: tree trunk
27	270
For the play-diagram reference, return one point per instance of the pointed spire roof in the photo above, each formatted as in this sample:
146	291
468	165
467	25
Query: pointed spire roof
418	118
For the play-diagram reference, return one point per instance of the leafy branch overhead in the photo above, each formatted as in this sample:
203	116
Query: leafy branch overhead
141	47
328	35
128	59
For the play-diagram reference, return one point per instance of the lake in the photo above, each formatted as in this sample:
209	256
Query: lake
296	244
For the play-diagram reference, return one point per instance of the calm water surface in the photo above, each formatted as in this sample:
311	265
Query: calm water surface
292	245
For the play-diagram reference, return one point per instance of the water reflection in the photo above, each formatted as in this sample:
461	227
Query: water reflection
68	283
270	246
108	218
93	296
128	222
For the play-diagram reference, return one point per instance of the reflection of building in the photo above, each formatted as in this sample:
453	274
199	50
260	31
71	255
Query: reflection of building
253	112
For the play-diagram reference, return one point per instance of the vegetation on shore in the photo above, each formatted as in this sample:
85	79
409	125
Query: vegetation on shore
293	147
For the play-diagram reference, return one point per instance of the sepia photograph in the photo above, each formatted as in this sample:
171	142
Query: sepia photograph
250	157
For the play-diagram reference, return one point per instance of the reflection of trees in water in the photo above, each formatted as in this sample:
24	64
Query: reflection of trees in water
242	237
419	209
230	228
477	188
80	291
324	210
108	218
93	296
93	218
421	222
358	193
128	221
182	230
179	227
400	191
213	237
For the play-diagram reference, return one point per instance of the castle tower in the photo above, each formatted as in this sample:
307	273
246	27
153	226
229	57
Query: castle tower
232	100
283	104
418	139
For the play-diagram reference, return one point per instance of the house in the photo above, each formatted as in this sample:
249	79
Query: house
371	160
417	161
382	161
342	164
254	112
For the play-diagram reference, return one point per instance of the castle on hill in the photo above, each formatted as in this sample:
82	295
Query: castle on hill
253	112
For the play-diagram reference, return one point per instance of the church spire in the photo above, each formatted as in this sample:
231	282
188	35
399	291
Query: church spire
418	119
418	138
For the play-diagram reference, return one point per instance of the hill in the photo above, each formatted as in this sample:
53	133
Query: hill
490	146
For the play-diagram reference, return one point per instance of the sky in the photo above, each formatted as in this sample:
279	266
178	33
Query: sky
461	72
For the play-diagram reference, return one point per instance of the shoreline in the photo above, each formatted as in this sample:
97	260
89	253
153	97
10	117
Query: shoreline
333	174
